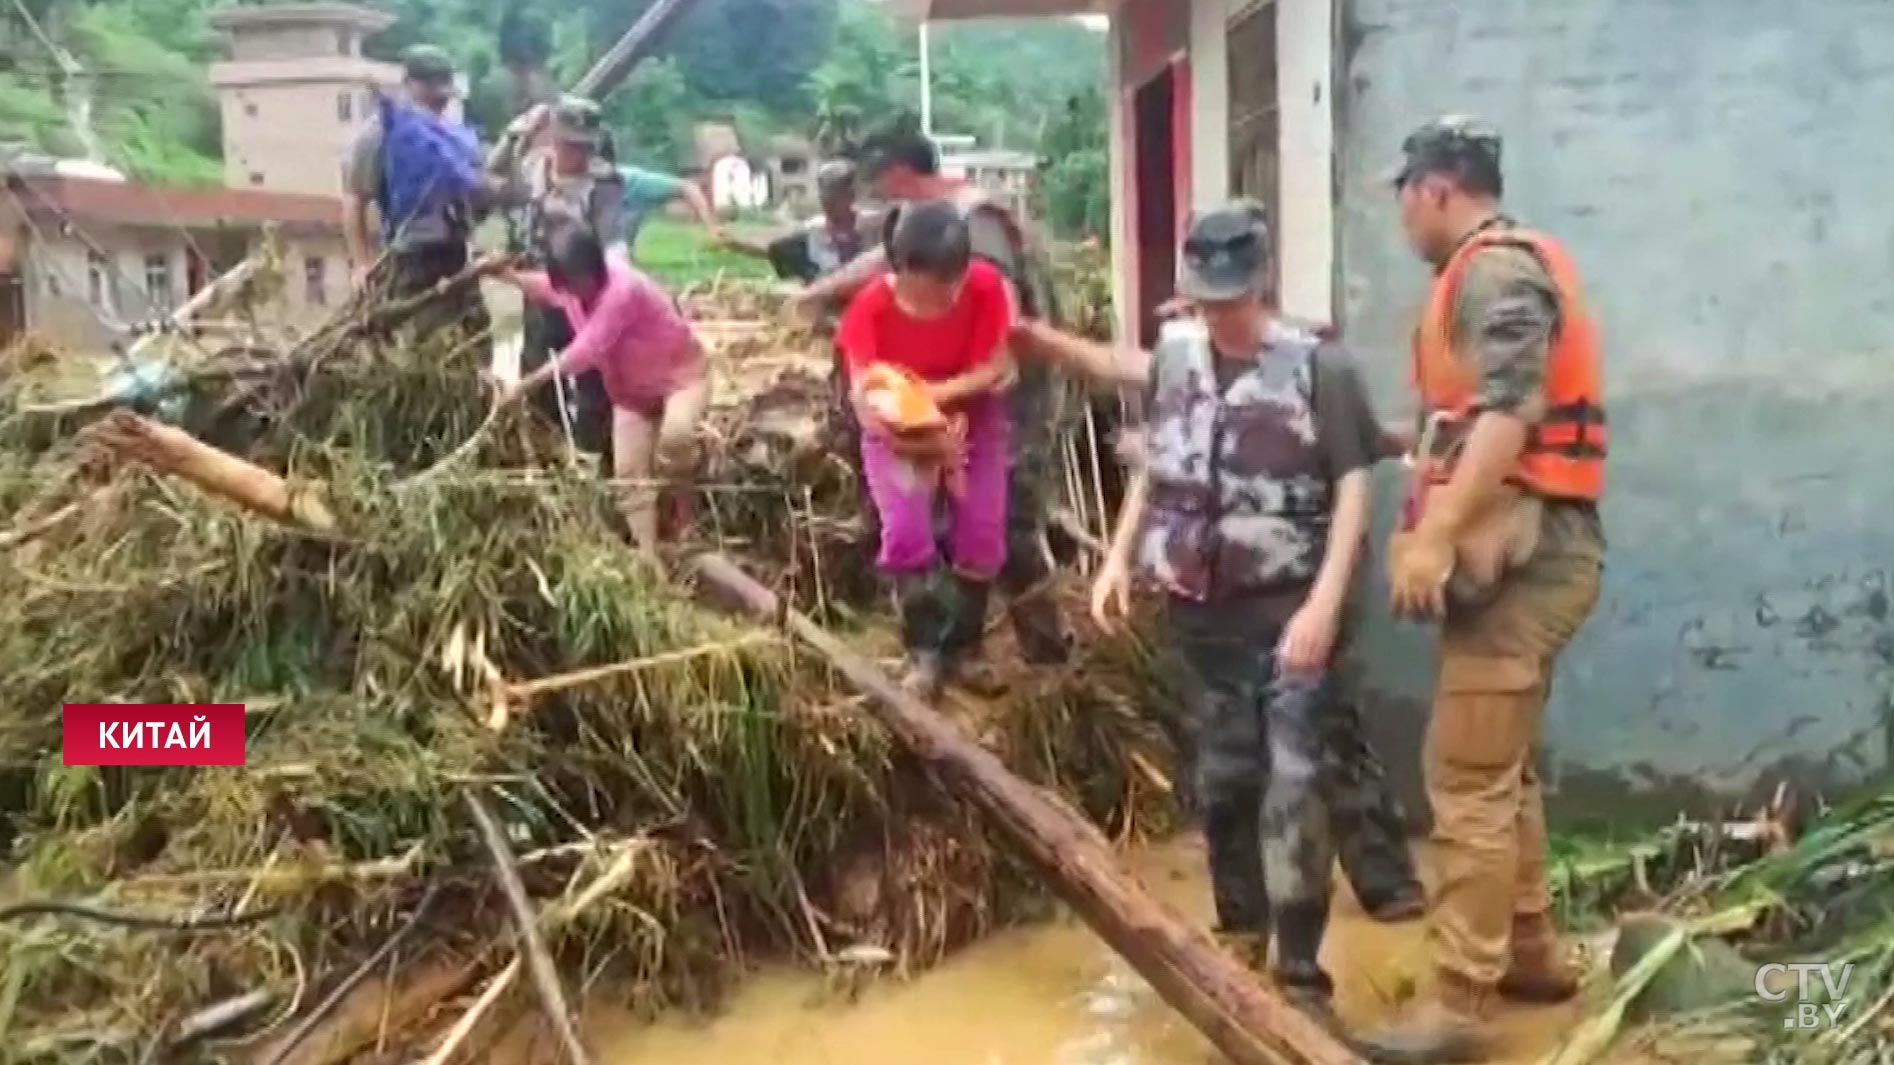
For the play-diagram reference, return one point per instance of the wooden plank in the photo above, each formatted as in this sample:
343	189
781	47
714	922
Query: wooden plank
1245	1019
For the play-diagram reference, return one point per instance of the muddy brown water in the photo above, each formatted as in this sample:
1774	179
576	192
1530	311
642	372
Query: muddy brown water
1049	994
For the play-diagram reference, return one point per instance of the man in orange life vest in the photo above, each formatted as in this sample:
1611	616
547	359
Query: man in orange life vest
1504	546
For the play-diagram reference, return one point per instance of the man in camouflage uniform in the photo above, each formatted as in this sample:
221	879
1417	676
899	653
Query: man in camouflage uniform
565	181
903	165
1506	549
1250	511
1367	824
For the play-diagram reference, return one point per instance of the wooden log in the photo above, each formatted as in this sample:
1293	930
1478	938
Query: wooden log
637	42
532	946
171	450
1246	1020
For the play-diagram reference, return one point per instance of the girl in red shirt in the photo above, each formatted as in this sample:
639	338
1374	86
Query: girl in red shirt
942	317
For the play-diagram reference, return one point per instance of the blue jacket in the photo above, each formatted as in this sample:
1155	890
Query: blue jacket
427	162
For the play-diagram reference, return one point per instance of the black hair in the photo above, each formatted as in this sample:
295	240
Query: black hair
931	238
900	143
573	253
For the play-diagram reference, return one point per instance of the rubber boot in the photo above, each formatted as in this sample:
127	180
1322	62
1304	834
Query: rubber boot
1539	971
1446	1028
966	631
924	632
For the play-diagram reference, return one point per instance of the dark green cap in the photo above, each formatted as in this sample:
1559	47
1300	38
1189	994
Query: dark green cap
1226	252
1458	144
577	120
426	63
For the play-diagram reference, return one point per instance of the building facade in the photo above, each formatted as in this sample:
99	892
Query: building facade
91	257
1715	167
295	91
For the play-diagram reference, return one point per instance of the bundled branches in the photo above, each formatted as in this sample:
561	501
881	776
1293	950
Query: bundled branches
686	792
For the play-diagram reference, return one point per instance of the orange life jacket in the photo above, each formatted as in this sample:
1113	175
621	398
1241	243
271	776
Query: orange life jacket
1564	456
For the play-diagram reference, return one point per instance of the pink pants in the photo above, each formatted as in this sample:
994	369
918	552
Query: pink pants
904	496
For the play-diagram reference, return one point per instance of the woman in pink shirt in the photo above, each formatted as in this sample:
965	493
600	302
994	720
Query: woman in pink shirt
653	367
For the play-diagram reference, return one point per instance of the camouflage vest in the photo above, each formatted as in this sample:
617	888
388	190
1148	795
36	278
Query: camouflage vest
1239	500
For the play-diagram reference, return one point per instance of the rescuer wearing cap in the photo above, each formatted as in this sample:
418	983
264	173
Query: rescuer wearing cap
1504	547
557	163
1250	513
420	168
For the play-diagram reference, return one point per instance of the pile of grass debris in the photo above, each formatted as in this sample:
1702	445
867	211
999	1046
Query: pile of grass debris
685	793
1703	907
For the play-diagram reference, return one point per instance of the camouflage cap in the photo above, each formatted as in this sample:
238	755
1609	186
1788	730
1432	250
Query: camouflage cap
1453	143
1226	252
577	120
834	179
427	64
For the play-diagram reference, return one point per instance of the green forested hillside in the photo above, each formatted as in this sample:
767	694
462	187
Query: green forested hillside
824	67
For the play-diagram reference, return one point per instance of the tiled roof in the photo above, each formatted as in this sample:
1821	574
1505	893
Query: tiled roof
130	203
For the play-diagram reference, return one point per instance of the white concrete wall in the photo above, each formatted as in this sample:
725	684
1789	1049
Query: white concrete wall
1210	102
282	120
1305	84
1122	213
1305	233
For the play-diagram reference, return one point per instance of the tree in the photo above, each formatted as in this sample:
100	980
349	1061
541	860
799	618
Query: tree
651	115
1076	176
869	72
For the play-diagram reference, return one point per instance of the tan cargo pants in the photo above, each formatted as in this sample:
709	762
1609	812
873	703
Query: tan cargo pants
1489	816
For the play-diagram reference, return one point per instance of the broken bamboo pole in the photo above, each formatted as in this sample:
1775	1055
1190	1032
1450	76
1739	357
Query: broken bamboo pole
532	946
1247	1021
168	449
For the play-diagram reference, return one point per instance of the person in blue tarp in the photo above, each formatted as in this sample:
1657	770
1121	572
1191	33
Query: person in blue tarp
420	171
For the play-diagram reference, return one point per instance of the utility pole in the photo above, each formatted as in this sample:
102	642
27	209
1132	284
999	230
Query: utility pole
927	85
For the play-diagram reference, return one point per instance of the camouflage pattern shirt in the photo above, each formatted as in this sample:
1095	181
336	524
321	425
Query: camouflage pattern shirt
1505	316
1243	457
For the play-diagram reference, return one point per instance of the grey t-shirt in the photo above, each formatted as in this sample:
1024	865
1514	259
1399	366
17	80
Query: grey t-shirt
361	176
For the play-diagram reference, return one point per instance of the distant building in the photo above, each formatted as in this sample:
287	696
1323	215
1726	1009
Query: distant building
792	166
82	255
1008	175
295	92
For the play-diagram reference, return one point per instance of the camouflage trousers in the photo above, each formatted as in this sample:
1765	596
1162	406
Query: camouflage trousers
1026	577
1283	779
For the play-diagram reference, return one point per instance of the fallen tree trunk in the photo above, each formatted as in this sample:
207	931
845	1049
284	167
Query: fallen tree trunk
1245	1019
168	449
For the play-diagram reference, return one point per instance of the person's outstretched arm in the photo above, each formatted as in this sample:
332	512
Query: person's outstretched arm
1105	365
839	286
